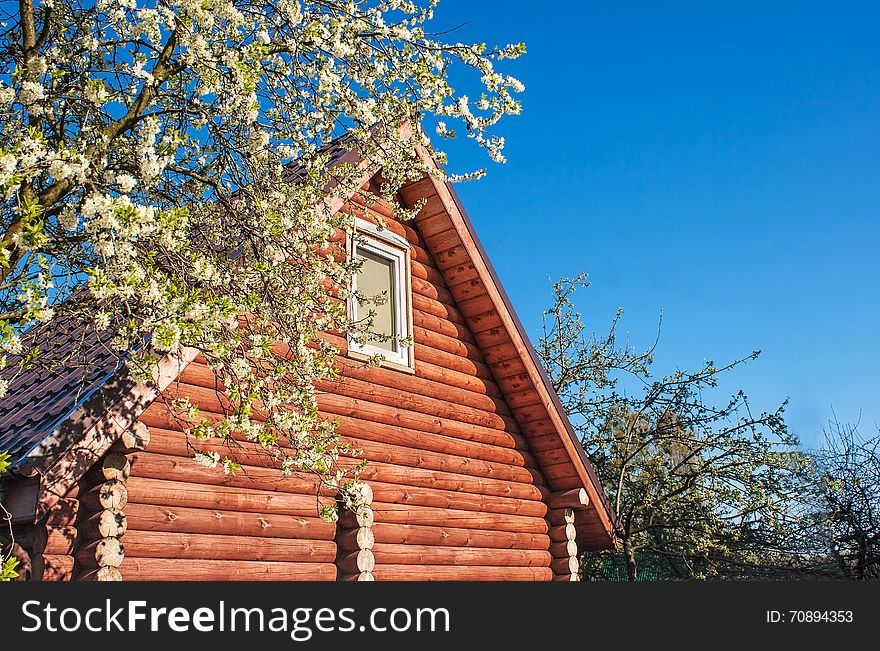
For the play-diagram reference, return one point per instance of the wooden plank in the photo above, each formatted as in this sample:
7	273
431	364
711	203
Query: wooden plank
415	477
403	514
202	546
448	536
575	498
185	469
390	554
366	410
147	517
181	569
143	490
460	573
418	497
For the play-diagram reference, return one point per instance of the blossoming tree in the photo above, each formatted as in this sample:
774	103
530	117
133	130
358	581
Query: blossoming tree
147	179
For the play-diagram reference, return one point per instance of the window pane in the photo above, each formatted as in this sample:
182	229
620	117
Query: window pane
376	278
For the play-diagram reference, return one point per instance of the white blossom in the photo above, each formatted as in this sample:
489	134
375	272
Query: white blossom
168	192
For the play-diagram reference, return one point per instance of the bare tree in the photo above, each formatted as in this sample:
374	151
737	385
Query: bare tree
848	508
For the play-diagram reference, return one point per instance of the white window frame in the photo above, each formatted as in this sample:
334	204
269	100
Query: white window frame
390	246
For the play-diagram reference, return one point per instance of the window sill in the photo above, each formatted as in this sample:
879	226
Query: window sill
394	366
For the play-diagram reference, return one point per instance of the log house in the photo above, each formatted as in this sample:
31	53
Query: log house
474	471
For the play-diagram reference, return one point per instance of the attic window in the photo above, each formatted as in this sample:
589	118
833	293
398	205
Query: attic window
382	288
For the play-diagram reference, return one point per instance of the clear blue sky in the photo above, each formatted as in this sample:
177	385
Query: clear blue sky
721	164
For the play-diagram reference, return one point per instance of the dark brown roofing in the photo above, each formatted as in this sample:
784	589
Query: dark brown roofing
74	362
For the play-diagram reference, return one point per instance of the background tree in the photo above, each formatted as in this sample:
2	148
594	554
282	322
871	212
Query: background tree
699	490
147	186
848	504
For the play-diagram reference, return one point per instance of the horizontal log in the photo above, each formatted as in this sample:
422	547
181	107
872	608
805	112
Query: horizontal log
213	521
418	497
356	562
404	514
364	409
362	576
386	472
425	287
390	554
59	541
447	344
185	469
360	538
102	574
107	552
452	361
566	577
567	565
115	466
208	401
444	402
360	518
442	326
460	573
202	546
460	273
564	549
111	494
144	490
458	379
456	537
477	392
444	311
136	437
104	524
562	532
376	451
63	513
389	443
33	537
561	516
575	499
57	567
179	569
487	460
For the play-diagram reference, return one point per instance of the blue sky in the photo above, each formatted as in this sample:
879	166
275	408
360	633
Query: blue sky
718	164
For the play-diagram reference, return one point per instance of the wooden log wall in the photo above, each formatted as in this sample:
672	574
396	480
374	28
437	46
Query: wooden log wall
51	541
456	491
187	522
99	548
565	508
354	541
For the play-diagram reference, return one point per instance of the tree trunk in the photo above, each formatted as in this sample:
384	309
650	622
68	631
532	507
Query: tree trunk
630	558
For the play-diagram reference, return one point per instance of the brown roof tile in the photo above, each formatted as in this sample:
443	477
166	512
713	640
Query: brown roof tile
74	362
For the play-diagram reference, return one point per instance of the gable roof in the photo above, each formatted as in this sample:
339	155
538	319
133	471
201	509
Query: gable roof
452	241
